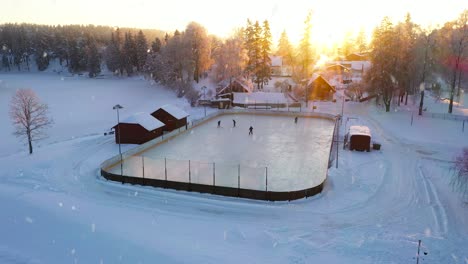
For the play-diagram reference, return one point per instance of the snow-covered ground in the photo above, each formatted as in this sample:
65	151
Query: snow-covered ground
295	154
55	207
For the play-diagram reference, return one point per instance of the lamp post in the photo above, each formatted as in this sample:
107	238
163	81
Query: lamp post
342	107
117	107
421	103
204	98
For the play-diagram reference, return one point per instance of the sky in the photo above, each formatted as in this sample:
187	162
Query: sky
332	20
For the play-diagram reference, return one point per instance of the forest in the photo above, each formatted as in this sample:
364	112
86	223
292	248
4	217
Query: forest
403	55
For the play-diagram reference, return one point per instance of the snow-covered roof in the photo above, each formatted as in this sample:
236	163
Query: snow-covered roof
315	76
241	81
174	111
260	97
145	120
336	66
359	130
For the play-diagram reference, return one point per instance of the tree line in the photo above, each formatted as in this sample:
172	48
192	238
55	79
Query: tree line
405	56
77	48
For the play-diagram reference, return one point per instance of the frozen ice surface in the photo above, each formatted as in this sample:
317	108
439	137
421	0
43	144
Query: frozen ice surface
294	156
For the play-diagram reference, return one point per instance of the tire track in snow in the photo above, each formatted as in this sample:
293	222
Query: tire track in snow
437	209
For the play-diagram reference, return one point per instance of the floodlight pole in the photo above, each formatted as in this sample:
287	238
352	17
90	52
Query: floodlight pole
421	103
117	107
342	107
204	98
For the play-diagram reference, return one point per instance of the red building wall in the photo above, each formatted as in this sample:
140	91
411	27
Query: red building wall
135	133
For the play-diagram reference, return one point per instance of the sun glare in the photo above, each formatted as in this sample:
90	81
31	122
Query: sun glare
331	20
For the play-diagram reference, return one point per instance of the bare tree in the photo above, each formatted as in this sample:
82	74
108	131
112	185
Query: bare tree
454	38
460	168
29	116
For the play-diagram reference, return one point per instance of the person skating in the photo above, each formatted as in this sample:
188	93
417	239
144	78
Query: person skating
219	123
233	123
295	120
250	130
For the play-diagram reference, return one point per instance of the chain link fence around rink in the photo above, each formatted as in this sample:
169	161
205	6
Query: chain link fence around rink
139	169
196	172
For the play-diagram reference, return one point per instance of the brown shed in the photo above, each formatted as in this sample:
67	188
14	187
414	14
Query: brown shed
319	88
138	129
171	116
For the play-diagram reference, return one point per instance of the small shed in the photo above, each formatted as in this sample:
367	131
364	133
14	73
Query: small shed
172	117
359	138
138	129
319	88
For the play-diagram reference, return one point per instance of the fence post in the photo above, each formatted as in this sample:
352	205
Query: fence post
143	163
238	181
214	174
165	169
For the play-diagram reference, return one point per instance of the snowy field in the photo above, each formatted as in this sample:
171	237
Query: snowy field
79	105
56	208
295	155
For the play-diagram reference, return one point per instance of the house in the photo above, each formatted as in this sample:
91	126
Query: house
138	129
237	85
337	74
279	68
171	116
317	88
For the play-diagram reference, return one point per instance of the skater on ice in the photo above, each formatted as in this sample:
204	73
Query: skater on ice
219	123
250	130
233	123
295	120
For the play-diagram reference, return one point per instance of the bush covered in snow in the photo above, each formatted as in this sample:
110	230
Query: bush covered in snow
460	177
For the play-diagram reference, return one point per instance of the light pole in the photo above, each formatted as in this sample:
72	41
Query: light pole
342	107
421	103
204	98
117	107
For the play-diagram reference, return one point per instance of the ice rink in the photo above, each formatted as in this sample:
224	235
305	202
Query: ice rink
293	156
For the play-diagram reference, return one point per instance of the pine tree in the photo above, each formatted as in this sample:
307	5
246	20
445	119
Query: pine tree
384	59
141	50
93	61
361	42
112	55
156	45
129	54
253	34
42	53
265	72
285	49
305	47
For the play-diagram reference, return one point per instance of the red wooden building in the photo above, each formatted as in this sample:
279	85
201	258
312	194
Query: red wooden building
319	89
138	129
171	116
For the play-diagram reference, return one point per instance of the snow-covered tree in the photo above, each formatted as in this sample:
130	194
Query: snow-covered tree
196	40
230	57
93	58
285	49
384	59
156	45
29	116
460	168
265	50
141	50
453	40
305	52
